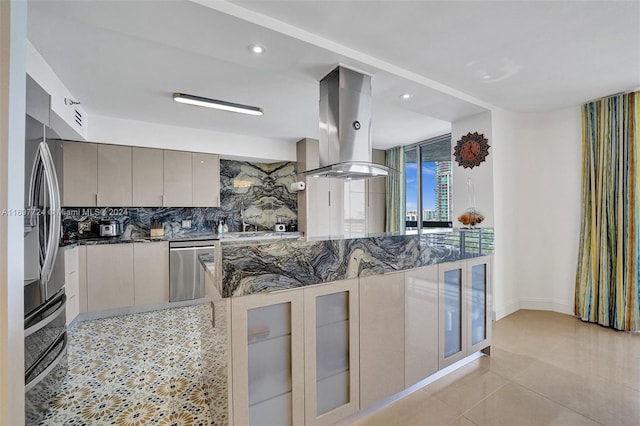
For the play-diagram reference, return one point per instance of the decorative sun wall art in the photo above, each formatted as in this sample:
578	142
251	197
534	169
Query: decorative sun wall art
471	150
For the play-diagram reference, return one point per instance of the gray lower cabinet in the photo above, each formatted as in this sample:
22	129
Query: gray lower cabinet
123	275
268	359
71	284
318	354
82	279
148	177
421	324
109	276
151	273
464	308
79	175
178	175
114	176
382	323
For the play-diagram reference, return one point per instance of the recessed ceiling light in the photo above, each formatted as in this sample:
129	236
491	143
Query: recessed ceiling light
257	49
214	103
406	96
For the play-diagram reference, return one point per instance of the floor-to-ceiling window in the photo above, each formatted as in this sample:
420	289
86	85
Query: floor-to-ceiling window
428	184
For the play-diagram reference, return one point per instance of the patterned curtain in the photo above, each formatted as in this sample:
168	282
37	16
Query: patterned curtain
607	278
395	191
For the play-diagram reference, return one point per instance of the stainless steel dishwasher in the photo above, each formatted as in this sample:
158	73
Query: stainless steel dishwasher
185	269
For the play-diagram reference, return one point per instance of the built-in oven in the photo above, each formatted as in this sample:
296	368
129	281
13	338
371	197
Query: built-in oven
185	269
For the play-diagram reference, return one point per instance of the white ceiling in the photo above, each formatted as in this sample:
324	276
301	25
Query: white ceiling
125	59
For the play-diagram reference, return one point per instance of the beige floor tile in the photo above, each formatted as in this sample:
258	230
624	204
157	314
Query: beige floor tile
505	363
618	365
419	408
472	389
454	378
514	405
462	421
601	400
431	412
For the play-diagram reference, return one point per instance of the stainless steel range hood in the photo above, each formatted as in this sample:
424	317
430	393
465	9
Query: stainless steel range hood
345	127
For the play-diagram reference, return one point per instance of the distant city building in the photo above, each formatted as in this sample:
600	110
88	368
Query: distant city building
443	193
429	214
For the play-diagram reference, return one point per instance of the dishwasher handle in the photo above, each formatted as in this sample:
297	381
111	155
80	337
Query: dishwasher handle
191	248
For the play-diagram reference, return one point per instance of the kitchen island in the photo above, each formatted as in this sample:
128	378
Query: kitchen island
319	330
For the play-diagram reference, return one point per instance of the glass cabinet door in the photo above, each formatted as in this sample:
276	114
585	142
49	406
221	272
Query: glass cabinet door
331	351
479	303
267	344
269	363
452	313
478	328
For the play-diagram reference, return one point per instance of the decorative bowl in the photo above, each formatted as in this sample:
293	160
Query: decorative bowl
471	217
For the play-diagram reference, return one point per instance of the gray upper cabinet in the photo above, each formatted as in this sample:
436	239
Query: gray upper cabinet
206	180
121	176
80	180
178	175
114	176
148	185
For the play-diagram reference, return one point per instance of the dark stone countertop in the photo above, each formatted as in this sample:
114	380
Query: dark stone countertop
249	267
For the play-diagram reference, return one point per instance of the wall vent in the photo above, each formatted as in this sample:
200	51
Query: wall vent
78	117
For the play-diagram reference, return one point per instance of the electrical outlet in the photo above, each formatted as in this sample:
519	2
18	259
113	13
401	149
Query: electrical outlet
84	226
186	224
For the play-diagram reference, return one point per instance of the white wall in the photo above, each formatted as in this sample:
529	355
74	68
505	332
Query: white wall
537	209
231	146
62	115
505	188
13	37
549	200
481	176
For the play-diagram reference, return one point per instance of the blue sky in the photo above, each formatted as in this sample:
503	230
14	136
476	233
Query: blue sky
428	185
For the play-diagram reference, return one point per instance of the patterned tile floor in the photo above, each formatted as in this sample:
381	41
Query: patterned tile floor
164	367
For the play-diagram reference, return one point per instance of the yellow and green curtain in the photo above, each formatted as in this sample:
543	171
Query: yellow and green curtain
395	191
607	277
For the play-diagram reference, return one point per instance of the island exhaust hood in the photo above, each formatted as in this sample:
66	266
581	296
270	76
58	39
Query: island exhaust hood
345	127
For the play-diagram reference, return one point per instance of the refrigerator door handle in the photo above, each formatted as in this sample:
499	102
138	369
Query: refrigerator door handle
29	328
62	338
54	212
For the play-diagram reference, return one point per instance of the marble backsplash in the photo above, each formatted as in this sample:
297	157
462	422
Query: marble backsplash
262	188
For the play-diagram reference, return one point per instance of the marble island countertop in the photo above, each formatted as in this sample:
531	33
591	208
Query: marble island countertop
228	237
249	267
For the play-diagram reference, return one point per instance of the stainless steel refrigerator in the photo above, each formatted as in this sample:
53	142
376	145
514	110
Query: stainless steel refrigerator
44	296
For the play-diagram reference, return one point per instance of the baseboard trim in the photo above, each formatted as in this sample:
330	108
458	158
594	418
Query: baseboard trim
508	309
547	305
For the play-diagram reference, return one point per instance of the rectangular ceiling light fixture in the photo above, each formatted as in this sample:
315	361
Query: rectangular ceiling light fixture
214	103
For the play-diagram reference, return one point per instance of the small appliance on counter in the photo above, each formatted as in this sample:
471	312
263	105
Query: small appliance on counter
110	228
157	229
280	227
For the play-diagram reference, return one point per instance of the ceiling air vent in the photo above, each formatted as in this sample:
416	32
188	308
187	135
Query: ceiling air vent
78	117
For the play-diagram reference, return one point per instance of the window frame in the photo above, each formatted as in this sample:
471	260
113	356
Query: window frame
420	223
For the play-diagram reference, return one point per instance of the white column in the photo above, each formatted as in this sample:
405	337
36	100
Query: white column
13	39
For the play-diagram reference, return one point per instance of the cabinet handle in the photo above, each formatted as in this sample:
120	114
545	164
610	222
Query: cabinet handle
163	202
97	200
329	198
